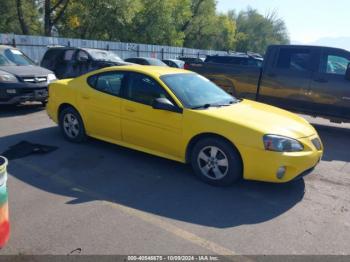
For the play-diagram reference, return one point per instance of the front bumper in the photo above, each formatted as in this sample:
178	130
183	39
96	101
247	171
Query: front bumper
39	95
262	165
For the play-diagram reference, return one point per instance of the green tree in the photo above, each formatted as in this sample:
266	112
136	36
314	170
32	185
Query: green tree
160	22
201	25
99	19
255	32
19	17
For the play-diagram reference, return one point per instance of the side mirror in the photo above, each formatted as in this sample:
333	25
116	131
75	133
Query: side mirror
347	74
165	104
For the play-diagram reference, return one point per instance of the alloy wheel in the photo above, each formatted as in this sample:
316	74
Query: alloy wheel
213	162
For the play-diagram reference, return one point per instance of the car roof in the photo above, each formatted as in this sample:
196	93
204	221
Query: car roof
310	46
145	58
155	71
174	60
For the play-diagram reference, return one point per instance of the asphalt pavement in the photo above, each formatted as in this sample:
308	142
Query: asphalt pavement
99	198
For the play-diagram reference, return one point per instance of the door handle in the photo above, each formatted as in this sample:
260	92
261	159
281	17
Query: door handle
321	80
85	97
131	110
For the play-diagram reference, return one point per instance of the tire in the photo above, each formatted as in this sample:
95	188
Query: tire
71	125
216	162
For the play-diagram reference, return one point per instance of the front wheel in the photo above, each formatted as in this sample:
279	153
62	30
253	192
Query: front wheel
216	162
72	125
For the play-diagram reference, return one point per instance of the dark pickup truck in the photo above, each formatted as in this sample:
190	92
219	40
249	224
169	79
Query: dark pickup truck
308	79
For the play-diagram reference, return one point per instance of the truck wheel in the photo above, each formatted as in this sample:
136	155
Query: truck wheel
216	162
72	125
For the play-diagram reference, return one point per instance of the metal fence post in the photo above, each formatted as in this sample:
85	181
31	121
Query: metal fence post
138	50
162	53
13	42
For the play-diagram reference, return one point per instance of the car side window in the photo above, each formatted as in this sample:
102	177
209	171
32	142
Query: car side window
143	89
82	56
109	83
335	64
51	58
68	55
296	59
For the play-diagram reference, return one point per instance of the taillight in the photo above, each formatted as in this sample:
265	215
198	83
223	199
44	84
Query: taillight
186	66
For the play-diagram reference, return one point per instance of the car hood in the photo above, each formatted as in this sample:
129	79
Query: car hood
27	70
264	118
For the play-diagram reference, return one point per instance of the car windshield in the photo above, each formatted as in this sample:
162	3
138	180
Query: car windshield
104	56
195	91
13	57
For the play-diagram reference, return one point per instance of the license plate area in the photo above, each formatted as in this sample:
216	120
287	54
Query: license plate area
40	93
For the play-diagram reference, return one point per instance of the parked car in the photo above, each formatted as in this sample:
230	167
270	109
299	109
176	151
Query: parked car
20	79
313	80
70	62
174	63
191	61
145	61
180	115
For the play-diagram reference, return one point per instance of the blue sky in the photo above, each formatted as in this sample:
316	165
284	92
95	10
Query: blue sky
308	21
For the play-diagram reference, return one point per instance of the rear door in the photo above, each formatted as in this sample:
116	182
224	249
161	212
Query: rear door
330	89
286	79
102	104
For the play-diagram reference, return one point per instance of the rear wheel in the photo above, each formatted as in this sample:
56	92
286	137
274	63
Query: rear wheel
216	162
72	125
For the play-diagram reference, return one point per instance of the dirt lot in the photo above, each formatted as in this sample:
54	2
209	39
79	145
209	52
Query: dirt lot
98	198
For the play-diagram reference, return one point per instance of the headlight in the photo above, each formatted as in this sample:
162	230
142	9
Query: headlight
282	144
51	78
7	77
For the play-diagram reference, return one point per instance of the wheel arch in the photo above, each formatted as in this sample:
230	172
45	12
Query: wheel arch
201	136
64	106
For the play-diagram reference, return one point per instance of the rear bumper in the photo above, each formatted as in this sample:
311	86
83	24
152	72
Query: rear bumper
4	217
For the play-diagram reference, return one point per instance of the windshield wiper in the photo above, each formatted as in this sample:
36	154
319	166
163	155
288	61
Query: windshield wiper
205	106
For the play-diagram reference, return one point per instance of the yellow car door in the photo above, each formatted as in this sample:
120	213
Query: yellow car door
101	105
143	126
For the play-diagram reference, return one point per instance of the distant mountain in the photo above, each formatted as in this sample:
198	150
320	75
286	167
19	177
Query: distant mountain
340	42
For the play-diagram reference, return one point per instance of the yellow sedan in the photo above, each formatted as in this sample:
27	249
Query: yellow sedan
180	115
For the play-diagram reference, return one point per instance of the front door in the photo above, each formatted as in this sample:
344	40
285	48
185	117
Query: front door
330	88
286	82
145	127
